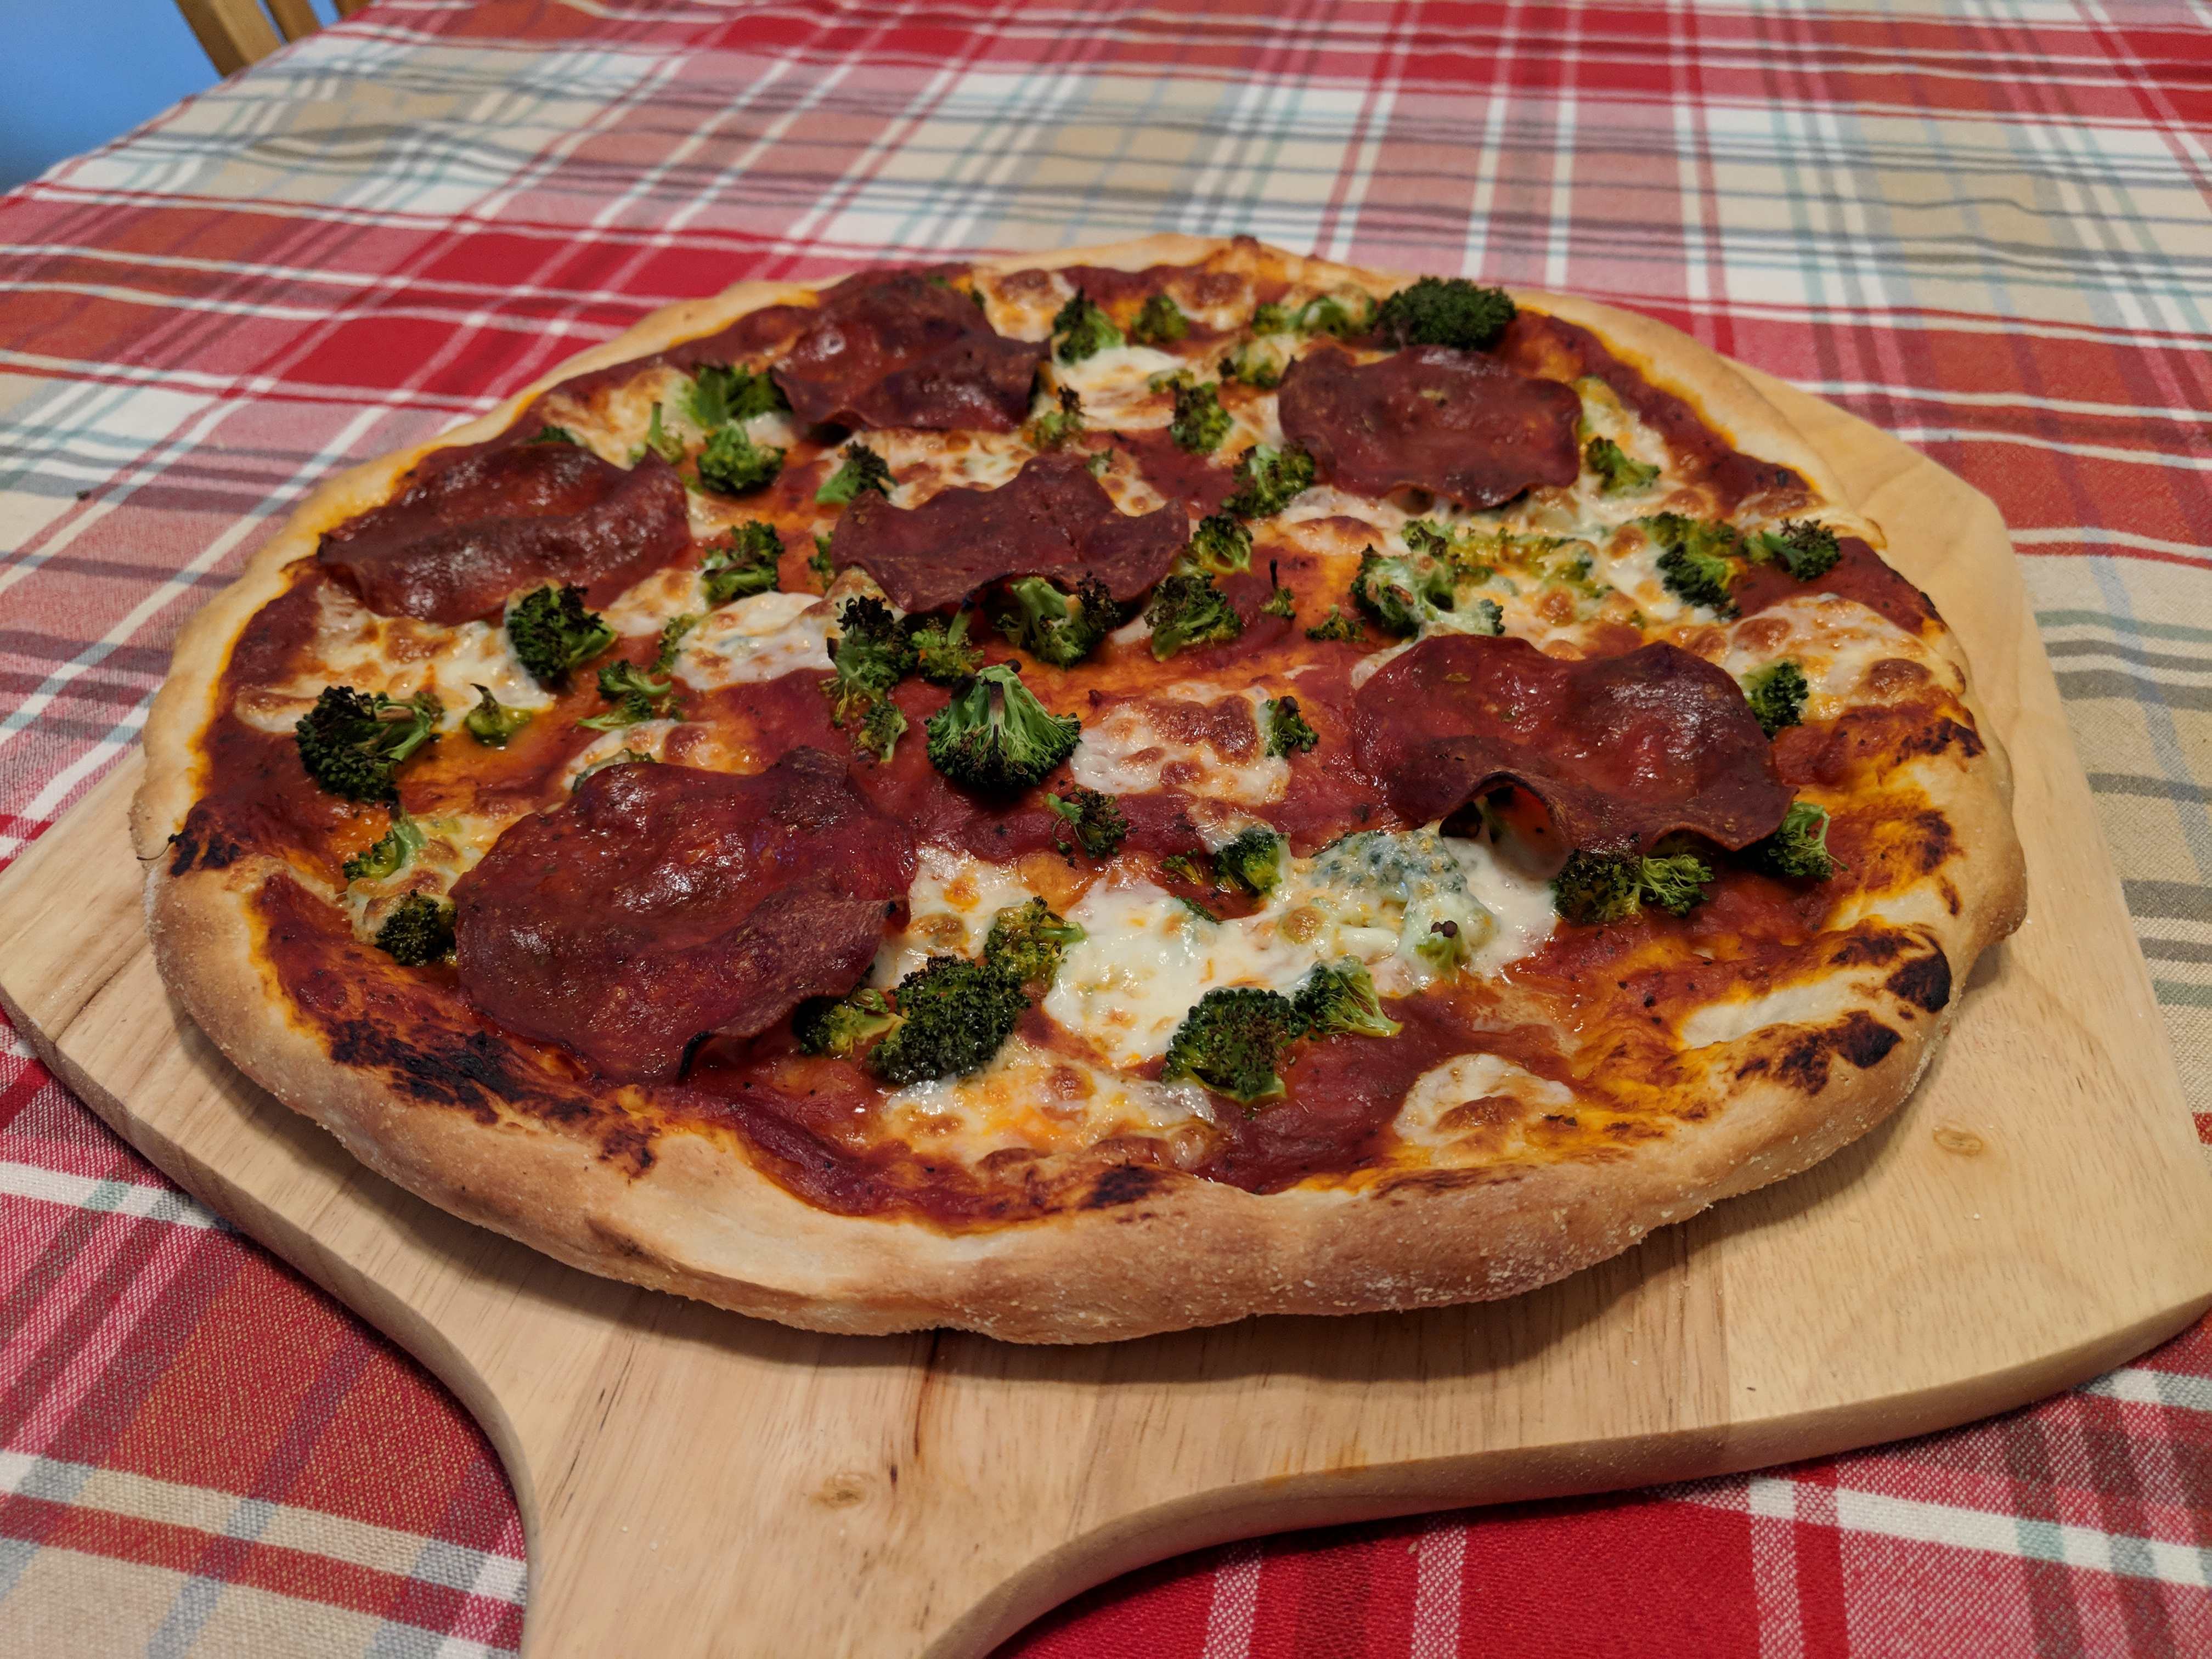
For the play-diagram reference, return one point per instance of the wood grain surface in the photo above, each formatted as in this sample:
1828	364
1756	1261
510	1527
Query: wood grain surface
692	1481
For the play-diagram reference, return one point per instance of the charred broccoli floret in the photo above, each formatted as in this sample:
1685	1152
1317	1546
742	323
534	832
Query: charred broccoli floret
1618	473
994	736
1232	1041
1422	537
1027	940
732	463
742	563
863	469
1261	363
1189	609
1598	887
637	695
389	854
821	567
1341	314
1696	565
1776	695
943	654
1253	861
1097	820
1799	849
672	634
552	632
660	440
555	434
841	1026
352	744
1341	999
870	654
418	932
1160	323
1043	622
953	1015
1083	329
719	393
1221	545
1267	480
1335	626
1200	422
1802	548
491	722
1399	595
1445	311
1287	731
1056	426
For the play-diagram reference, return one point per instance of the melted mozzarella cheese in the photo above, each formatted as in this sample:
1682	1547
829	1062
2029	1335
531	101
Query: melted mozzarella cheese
1124	753
1425	1118
1837	642
760	637
1115	386
1033	1100
949	907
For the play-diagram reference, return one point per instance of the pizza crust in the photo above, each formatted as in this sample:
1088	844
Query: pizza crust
703	1221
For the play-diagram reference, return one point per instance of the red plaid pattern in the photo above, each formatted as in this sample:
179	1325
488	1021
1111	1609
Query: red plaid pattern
1984	227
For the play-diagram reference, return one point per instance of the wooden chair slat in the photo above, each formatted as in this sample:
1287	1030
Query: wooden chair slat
295	19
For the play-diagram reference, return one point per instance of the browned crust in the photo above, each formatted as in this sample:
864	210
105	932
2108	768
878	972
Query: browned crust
703	1221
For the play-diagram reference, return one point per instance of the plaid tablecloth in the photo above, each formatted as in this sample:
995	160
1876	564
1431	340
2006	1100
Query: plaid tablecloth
1984	227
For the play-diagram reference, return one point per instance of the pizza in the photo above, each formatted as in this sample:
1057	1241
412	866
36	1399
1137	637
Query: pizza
1075	796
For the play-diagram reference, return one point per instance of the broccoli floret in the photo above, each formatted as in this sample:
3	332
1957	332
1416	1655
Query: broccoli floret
1200	422
623	757
1220	545
1698	577
1056	426
1776	695
1280	601
1598	887
1253	861
1704	537
635	695
1802	548
1044	623
1027	940
352	744
658	438
1260	363
1160	323
953	1016
1189	609
491	722
1422	537
672	634
391	853
943	654
1445	312
718	393
1097	820
1232	1041
733	464
1267	479
1330	314
870	654
1799	849
552	632
1402	594
1084	329
418	932
863	469
994	735
838	1027
1272	319
821	567
555	434
1341	999
1335	626
742	563
1617	474
1287	731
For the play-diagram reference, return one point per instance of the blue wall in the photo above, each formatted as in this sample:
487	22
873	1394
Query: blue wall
75	73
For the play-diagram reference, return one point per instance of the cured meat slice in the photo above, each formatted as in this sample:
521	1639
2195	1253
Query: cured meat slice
906	351
1623	749
663	903
1459	424
469	532
1053	519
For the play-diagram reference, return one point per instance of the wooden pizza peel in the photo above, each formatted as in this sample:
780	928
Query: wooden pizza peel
693	1481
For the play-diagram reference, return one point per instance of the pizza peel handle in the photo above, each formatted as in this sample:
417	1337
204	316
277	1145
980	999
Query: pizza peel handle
695	1482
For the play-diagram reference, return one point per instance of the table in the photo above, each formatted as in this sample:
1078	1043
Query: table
1983	226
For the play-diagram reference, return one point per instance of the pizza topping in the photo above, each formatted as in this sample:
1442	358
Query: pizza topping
1623	751
663	903
551	632
467	533
1799	849
418	930
1096	821
1455	423
1189	608
353	744
995	738
1055	627
1055	519
1776	695
491	722
1185	738
904	351
1448	311
1596	888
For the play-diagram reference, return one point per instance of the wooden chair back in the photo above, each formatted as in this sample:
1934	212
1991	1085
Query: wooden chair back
236	32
